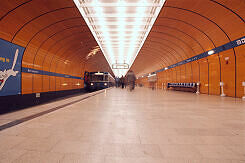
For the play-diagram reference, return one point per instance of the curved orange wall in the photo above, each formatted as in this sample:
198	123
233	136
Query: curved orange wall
56	39
187	28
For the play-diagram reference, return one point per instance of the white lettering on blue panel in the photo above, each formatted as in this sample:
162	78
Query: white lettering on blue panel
241	41
33	71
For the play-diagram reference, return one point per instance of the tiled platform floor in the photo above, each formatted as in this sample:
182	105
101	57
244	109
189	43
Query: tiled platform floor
142	126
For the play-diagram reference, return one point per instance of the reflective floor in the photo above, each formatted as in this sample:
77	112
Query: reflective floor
143	126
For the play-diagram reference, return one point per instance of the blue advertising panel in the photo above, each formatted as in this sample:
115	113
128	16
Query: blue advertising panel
10	68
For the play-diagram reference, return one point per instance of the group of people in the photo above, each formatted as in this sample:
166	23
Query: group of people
128	80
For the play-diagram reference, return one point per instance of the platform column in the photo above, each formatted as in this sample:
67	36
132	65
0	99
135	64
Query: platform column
198	88
243	84
222	89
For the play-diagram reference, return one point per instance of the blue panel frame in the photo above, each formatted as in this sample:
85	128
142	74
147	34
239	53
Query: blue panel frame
41	72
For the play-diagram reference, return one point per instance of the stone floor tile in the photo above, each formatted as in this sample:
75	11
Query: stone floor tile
79	158
217	152
120	126
142	150
39	157
132	160
10	142
68	147
37	144
11	155
180	151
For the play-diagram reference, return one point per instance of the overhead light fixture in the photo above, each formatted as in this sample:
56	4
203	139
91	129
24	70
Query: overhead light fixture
99	73
151	75
166	68
210	52
93	52
120	27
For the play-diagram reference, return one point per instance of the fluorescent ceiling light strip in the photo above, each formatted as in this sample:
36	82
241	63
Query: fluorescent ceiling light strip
119	34
91	5
116	30
114	23
121	16
81	9
149	28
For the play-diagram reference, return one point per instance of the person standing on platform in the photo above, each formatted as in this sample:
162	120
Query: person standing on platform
131	80
122	80
117	80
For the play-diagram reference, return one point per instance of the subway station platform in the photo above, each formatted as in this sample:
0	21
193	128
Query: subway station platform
119	126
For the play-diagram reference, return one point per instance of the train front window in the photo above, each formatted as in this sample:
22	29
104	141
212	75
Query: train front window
97	78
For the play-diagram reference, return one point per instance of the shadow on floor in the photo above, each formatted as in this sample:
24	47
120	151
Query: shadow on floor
13	103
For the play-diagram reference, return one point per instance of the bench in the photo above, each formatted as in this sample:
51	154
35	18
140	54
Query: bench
189	87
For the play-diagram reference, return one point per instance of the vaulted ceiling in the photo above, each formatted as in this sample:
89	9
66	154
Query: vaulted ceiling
186	28
55	30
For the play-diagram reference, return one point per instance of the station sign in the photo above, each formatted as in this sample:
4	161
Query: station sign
120	66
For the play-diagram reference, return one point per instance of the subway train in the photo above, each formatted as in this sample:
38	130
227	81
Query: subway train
98	80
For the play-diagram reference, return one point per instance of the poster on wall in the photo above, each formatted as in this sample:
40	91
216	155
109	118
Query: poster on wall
10	68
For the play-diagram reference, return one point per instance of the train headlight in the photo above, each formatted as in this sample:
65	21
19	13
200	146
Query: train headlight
105	83
92	84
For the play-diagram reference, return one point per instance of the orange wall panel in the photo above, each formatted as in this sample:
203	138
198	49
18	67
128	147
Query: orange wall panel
27	60
38	61
228	72
58	84
188	73
204	76
52	83
46	63
214	75
196	71
37	83
178	74
240	56
26	83
183	73
53	64
46	83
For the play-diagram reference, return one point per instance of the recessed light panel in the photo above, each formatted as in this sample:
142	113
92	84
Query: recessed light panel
120	27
